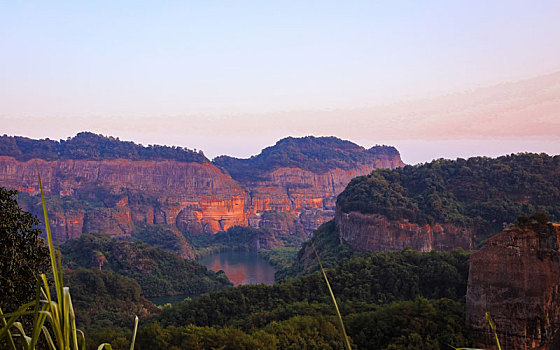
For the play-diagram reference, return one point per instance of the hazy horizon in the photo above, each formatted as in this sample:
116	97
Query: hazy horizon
436	79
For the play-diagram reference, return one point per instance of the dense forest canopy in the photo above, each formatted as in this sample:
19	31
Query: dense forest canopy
316	154
481	192
382	297
86	145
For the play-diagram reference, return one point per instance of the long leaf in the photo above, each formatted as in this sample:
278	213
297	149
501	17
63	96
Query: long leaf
48	338
38	318
489	319
10	338
25	339
134	332
346	340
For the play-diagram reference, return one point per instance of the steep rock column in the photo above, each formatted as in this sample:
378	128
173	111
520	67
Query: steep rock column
516	278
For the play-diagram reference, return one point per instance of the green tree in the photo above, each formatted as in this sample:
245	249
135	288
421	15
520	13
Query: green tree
23	254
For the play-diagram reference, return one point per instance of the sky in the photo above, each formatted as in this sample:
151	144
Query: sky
433	78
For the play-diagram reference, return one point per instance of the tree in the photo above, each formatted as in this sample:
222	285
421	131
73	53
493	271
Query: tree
23	254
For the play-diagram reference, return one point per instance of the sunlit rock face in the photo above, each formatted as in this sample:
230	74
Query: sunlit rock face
115	196
193	196
293	185
374	232
516	278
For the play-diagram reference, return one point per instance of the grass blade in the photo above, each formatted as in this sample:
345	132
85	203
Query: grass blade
489	319
48	338
134	333
346	340
10	338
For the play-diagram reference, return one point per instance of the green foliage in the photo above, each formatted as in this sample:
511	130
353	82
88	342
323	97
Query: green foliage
86	145
420	324
299	332
105	305
281	258
23	255
163	236
478	192
158	272
326	241
60	331
417	324
316	154
378	278
238	238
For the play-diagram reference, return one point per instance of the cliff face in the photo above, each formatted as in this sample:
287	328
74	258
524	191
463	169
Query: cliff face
301	178
516	278
305	198
194	196
374	232
289	188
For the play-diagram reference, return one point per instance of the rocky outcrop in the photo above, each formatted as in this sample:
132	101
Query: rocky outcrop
516	278
193	196
306	198
374	232
292	189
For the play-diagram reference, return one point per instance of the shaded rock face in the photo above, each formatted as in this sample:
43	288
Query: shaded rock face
374	232
307	199
193	196
516	278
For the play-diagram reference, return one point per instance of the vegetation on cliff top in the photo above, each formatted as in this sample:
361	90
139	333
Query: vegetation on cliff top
86	145
478	192
316	154
158	272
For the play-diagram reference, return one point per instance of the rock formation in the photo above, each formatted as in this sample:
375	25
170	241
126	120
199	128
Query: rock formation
102	191
193	196
516	278
374	232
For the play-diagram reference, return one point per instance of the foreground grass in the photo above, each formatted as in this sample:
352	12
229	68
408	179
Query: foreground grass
53	315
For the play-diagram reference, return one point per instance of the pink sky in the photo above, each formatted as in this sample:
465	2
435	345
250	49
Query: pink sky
434	78
506	118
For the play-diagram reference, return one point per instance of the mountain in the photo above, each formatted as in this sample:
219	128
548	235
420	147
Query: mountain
446	204
292	186
95	183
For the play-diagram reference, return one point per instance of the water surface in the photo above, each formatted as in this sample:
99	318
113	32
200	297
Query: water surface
240	267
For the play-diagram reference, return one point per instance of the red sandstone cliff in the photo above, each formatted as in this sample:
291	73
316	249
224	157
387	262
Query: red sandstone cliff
292	189
193	196
516	278
374	232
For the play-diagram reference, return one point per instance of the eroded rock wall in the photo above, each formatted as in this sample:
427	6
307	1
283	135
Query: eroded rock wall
516	278
196	196
374	232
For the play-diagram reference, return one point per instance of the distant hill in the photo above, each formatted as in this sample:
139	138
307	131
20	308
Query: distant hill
87	145
315	154
480	193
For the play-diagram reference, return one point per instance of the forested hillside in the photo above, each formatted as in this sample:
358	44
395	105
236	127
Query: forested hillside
479	192
87	145
315	154
158	272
